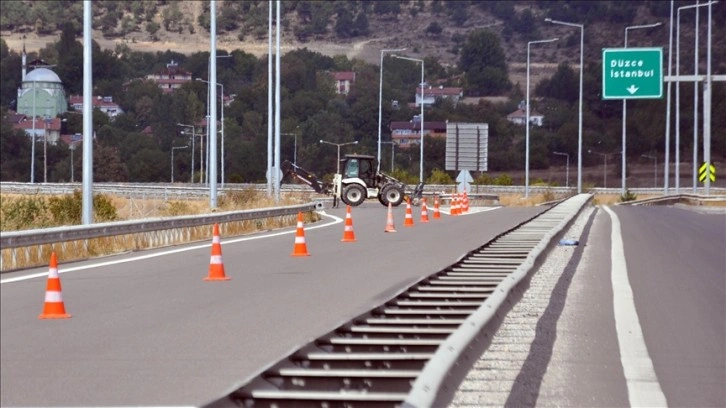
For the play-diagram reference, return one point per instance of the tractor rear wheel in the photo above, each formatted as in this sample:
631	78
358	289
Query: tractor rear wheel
353	195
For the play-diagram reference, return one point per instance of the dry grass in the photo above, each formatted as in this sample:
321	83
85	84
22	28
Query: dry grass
131	209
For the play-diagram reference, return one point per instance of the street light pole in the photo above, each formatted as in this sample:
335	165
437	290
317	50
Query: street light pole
579	126
623	171
380	102
172	160
192	171
567	168
526	121
338	145
423	90
72	147
655	169
222	116
45	150
294	152
604	169
32	145
695	93
393	153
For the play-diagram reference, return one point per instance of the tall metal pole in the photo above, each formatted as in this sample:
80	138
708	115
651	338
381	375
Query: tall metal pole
567	168
695	104
45	150
32	144
707	104
420	175
695	93
526	120
380	102
655	168
221	98
277	106
213	107
269	99
666	162
338	145
579	121
624	131
423	93
87	200
677	174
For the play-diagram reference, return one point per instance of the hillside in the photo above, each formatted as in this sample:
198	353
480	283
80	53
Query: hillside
425	28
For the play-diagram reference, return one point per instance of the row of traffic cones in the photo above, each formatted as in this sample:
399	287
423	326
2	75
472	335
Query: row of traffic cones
54	307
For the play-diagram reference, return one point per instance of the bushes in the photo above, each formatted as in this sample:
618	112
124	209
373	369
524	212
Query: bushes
28	212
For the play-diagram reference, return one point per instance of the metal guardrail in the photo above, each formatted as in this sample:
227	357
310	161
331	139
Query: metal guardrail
676	199
31	248
16	239
178	191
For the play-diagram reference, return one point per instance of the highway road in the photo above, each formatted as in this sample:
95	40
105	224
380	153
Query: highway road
148	330
599	329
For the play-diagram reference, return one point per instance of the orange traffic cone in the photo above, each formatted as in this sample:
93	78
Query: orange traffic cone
53	307
348	234
300	249
454	210
216	266
408	220
389	222
424	211
466	203
437	213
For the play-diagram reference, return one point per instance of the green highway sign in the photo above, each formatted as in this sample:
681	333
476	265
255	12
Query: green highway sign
707	170
632	73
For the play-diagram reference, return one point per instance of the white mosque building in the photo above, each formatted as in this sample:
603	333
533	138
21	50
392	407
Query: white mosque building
41	93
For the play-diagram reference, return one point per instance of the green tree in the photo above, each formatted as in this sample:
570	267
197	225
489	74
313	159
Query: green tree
482	59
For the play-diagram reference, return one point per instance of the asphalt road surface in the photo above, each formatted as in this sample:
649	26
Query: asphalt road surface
635	315
148	330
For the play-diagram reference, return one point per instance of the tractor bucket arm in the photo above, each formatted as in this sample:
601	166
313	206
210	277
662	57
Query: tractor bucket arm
304	176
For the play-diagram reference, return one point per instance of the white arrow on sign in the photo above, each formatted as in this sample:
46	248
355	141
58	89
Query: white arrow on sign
464	177
632	89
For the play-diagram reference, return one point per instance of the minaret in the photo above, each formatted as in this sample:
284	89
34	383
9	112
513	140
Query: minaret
25	60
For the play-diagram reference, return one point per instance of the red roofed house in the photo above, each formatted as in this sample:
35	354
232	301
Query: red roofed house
170	78
431	95
44	128
343	81
105	104
404	134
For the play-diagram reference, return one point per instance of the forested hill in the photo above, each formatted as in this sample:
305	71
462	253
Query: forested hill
433	28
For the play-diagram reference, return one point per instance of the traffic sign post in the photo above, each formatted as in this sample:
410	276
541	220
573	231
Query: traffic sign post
632	73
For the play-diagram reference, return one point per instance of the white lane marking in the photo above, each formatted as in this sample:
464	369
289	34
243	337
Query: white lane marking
472	210
335	220
643	386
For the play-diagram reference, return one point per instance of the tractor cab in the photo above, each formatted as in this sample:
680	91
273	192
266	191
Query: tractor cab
360	166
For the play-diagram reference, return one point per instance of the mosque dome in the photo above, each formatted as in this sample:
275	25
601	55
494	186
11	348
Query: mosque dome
42	75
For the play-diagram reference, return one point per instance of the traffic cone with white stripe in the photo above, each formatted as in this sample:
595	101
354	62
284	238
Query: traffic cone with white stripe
54	308
408	220
454	205
437	213
389	221
424	211
348	234
466	203
216	266
301	248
